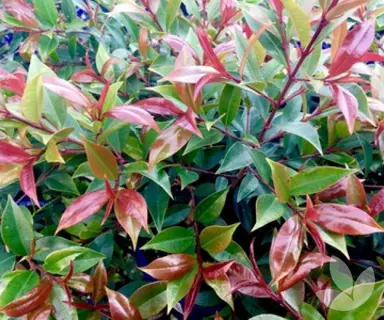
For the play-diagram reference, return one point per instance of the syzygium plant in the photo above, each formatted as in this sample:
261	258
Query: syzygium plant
192	159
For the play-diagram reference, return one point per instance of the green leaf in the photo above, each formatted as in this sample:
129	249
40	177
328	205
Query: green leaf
61	182
7	261
157	201
63	311
300	21
186	177
16	284
16	228
102	56
281	180
268	209
233	251
210	208
32	100
101	160
47	45
209	138
171	13
248	185
236	157
252	69
214	239
45	246
305	131
54	108
177	289
150	299
259	160
46	11
334	240
172	240
111	98
159	176
267	317
69	10
83	259
316	179
310	313
229	103
358	302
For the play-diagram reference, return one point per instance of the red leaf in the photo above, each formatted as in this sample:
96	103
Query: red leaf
29	302
27	182
315	234
13	82
189	74
100	280
67	91
160	106
130	203
121	308
22	11
41	313
306	264
242	279
132	114
348	105
338	190
286	248
10	153
371	56
178	44
354	47
217	269
278	6
227	10
208	51
310	213
82	208
170	267
191	297
345	219
188	121
85	76
377	203
355	192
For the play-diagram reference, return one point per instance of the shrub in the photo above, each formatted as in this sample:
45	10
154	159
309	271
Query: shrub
201	159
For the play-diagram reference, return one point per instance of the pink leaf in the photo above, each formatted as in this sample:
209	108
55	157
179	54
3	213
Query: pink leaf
160	106
132	114
10	153
345	219
13	82
338	190
191	297
27	182
178	44
188	121
67	91
85	76
217	269
354	47
22	11
209	78
82	208
377	203
189	74
371	56
348	105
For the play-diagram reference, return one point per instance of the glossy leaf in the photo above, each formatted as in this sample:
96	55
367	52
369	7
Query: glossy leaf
170	267
22	11
82	208
172	240
160	106
32	300
281	180
190	74
27	182
229	103
286	249
168	143
16	228
376	204
133	115
339	9
345	219
355	192
10	153
313	180
121	308
214	239
268	209
210	208
100	280
101	160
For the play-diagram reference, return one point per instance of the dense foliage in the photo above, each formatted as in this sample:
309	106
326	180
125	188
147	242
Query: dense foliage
191	159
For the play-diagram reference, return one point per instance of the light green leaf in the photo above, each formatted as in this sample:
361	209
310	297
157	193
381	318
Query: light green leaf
334	240
281	180
172	240
268	209
267	317
112	97
310	313
252	69
300	21
69	10
304	130
171	13
46	11
210	208
186	177
214	239
47	245
177	289
63	311
316	179
7	261
233	251
102	56
32	100
62	182
229	103
16	228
